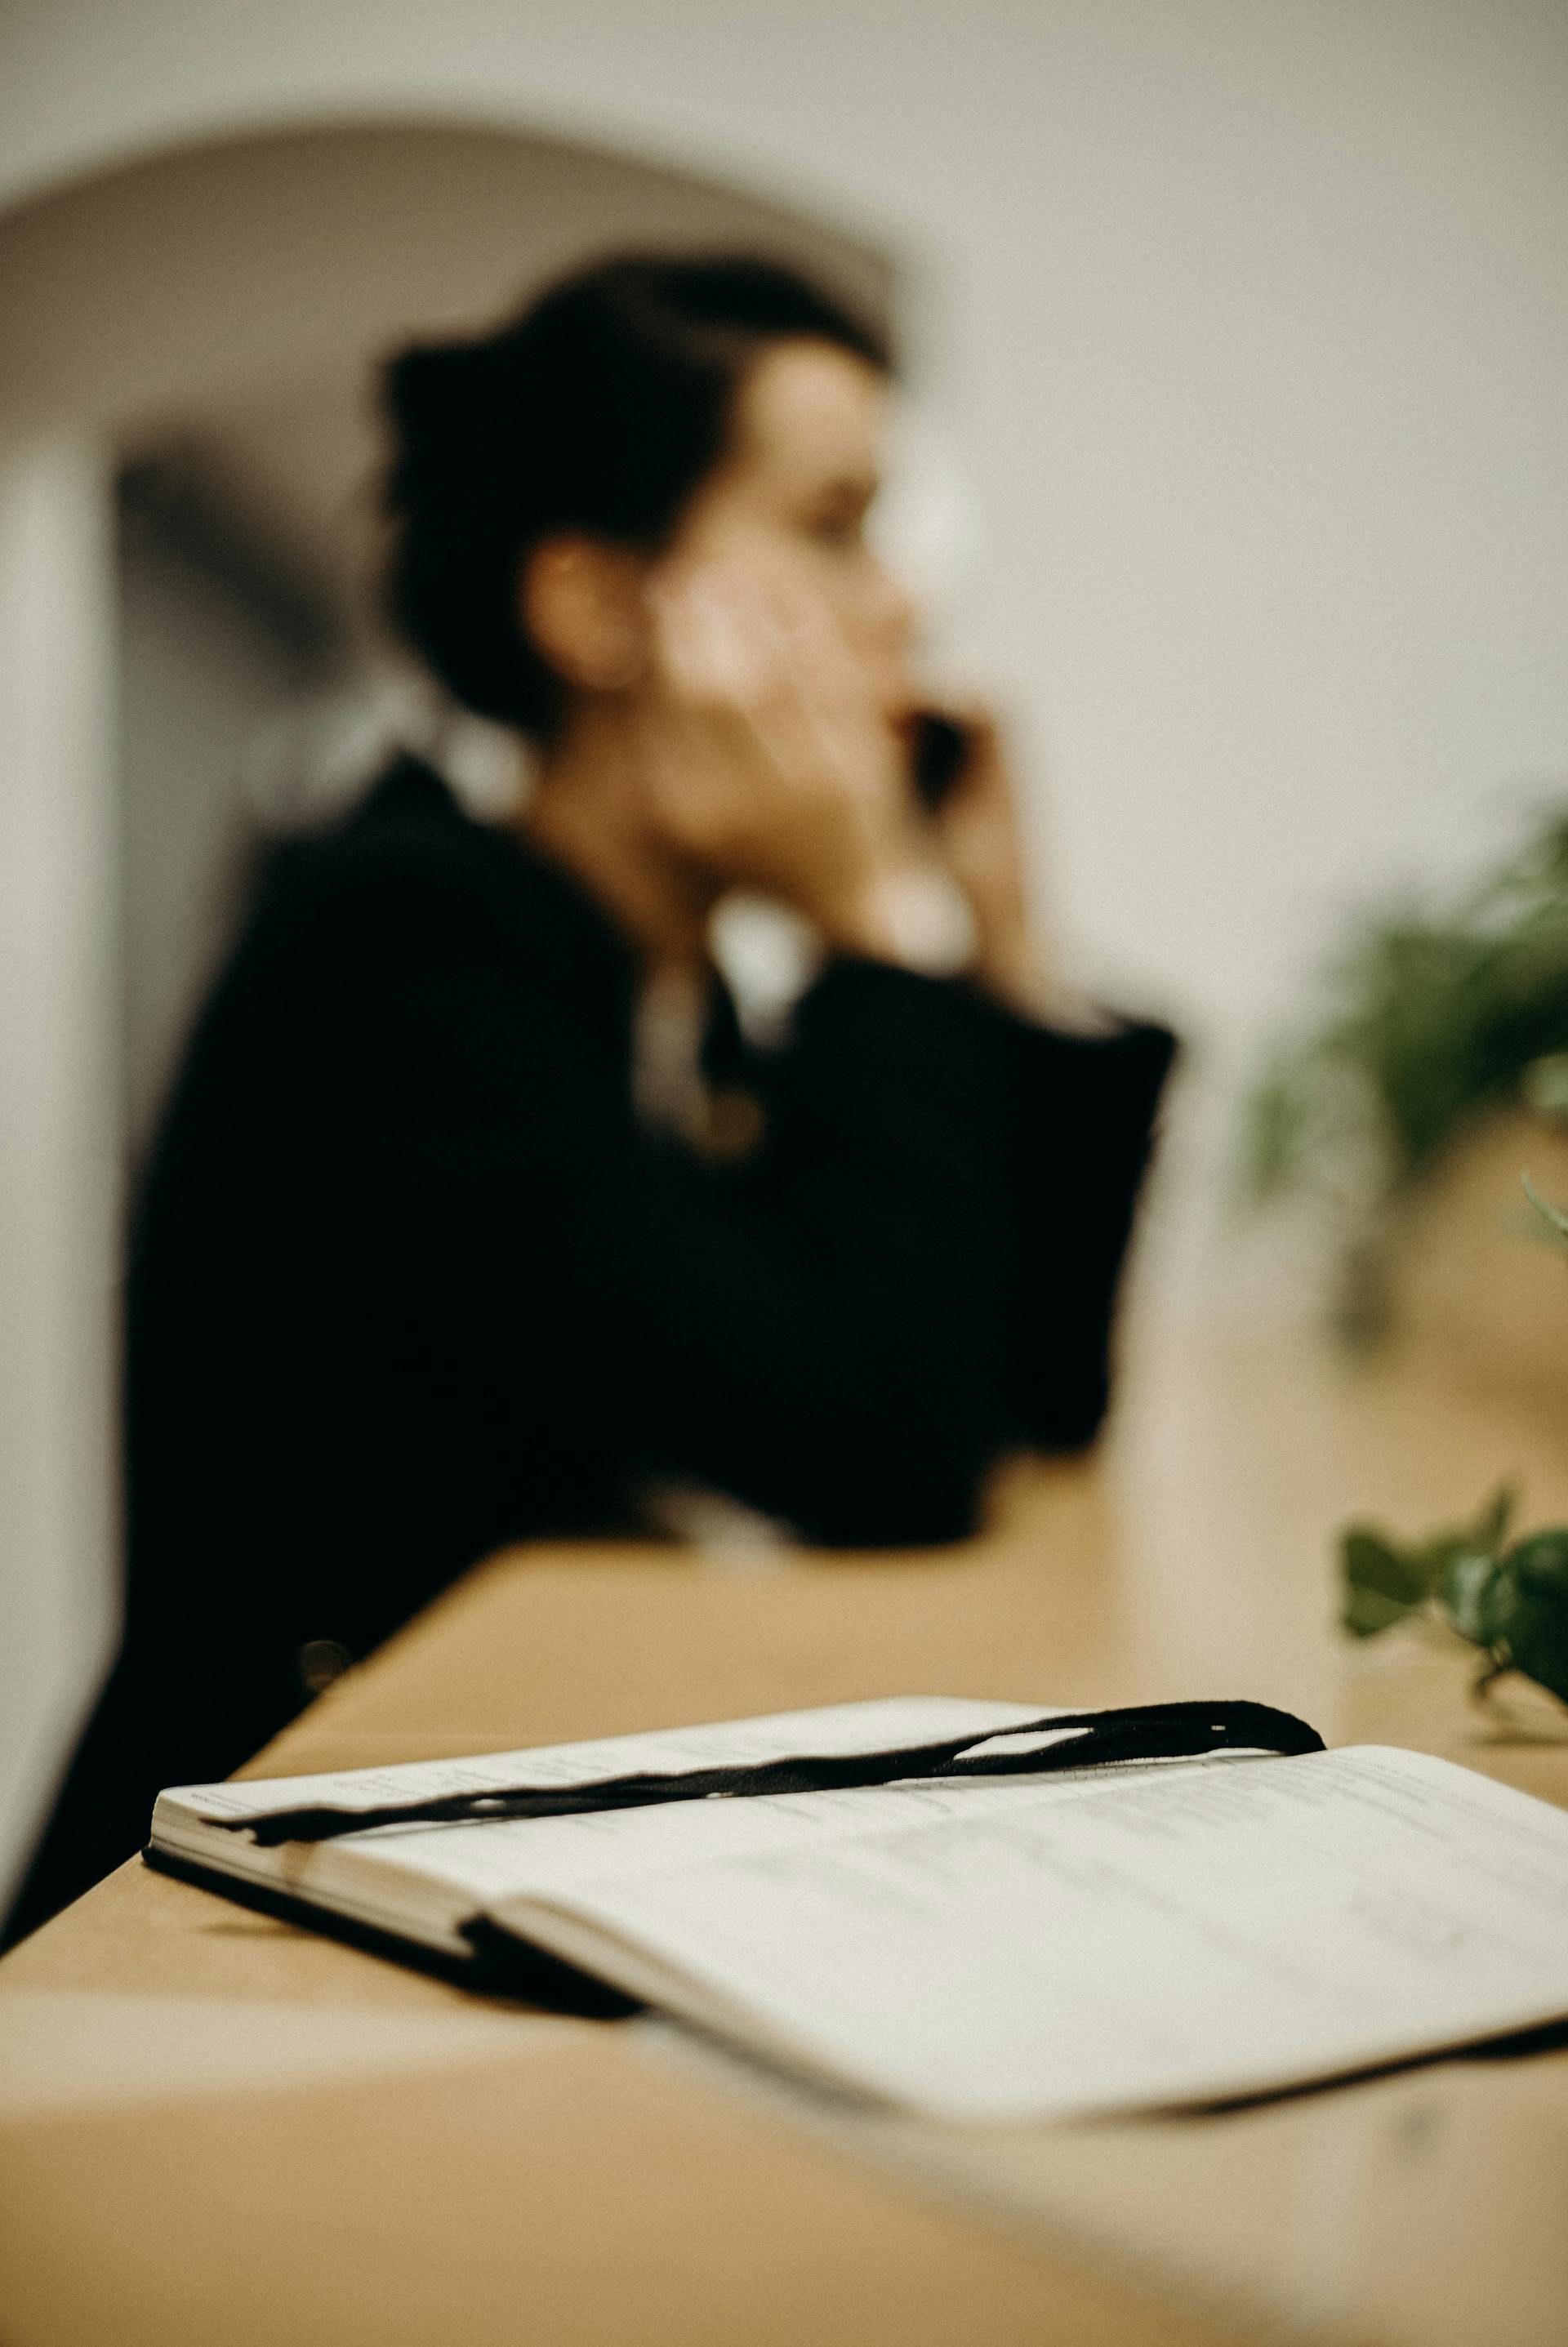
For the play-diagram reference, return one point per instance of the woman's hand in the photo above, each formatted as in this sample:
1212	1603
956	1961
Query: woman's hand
766	760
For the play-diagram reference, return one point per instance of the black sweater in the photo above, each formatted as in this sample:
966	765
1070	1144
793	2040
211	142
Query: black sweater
408	1280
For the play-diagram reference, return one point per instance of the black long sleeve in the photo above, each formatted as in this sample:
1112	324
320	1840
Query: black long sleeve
409	1280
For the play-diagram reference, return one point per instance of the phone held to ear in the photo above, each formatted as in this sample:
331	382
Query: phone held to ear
939	749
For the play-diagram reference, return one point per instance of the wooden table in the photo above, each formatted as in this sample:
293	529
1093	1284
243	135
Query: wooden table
215	2129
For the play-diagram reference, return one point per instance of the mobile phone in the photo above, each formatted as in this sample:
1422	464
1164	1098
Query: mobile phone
939	751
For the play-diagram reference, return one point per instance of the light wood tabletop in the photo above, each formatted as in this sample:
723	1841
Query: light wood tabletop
215	2128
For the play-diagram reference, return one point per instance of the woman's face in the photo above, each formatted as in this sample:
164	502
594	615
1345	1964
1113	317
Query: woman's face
790	503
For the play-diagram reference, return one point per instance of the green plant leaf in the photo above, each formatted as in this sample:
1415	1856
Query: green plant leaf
1460	1565
1383	1582
1530	1613
1538	1645
1490	1527
1475	1593
1431	1017
1364	1613
1540	1562
1513	1605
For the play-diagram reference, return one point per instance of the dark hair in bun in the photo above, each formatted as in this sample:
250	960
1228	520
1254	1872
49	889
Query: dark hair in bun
602	407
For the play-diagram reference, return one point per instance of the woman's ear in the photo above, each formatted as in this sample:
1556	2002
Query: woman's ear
580	602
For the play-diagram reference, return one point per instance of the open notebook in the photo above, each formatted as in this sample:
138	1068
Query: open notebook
1041	1945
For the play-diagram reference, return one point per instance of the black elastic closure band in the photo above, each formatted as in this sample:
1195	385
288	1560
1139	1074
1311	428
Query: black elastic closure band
1146	1731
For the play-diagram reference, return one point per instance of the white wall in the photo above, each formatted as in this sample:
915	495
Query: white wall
58	1159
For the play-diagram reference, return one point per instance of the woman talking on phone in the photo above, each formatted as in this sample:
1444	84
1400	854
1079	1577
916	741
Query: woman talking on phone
474	1215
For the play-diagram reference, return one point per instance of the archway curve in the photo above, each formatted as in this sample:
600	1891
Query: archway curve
239	264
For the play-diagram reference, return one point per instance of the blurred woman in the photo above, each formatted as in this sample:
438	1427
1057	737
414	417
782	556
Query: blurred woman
474	1216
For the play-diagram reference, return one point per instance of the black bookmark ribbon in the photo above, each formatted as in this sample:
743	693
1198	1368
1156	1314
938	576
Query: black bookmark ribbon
1147	1731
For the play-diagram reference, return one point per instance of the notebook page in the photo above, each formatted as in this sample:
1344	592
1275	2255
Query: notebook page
537	1856
1183	1933
480	1863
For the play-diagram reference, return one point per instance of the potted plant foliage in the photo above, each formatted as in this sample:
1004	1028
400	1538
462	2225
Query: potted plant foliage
1436	1065
1508	1598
